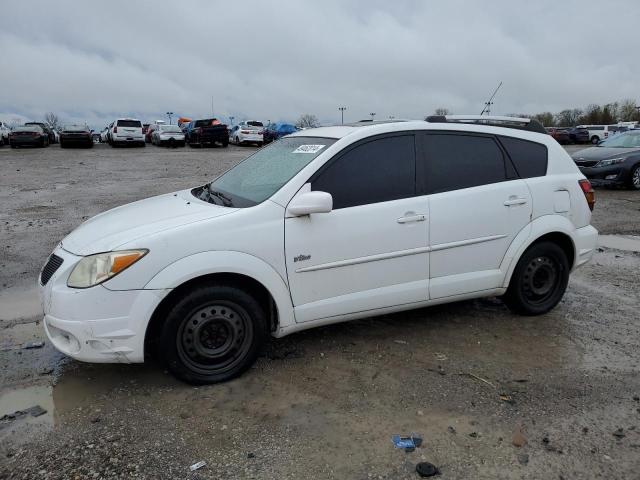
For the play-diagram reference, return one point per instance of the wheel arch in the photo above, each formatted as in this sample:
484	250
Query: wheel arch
240	269
552	228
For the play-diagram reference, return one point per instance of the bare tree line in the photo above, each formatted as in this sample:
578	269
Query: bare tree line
624	111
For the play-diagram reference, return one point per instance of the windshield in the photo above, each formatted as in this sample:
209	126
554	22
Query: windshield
75	128
623	140
263	173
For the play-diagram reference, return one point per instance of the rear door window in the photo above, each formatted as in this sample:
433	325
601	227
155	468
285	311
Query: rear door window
529	158
379	170
452	161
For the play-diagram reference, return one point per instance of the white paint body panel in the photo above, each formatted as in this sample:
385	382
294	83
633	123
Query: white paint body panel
363	261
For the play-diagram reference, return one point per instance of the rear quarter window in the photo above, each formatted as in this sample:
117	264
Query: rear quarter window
529	158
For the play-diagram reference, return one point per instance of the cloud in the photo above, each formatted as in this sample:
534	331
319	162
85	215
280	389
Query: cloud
94	61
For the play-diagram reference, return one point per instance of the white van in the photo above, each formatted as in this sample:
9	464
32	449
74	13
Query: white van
597	132
323	226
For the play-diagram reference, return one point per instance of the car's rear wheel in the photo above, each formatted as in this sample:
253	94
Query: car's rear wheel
634	177
213	334
539	280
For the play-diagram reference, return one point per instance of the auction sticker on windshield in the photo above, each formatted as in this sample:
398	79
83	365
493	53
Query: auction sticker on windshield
308	149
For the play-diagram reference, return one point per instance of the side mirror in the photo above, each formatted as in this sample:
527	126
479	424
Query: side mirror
311	202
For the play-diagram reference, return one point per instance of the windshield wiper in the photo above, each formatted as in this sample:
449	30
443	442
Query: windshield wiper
226	201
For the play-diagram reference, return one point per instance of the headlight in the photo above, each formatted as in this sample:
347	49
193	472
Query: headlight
95	269
611	161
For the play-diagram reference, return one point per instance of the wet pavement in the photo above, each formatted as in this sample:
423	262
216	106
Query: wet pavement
470	377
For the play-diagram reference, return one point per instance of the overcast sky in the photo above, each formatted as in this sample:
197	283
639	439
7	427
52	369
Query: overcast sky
273	60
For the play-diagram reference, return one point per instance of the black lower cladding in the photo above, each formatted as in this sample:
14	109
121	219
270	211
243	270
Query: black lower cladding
50	268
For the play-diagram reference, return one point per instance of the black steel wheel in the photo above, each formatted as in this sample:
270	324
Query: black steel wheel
539	280
213	334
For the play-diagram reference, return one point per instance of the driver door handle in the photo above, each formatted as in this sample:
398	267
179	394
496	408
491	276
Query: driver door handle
513	200
416	217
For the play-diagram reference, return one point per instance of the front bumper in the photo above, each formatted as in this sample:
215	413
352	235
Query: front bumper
609	175
96	324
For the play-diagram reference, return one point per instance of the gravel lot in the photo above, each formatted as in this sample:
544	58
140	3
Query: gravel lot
470	377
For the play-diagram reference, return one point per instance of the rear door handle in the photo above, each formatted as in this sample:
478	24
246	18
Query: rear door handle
412	218
513	200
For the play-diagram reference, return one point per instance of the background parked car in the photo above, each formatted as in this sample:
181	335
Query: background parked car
207	131
276	130
596	132
579	135
560	134
246	132
50	133
171	135
126	131
31	135
4	134
613	161
78	135
104	134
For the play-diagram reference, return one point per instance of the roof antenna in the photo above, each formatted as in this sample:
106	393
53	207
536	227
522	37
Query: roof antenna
487	104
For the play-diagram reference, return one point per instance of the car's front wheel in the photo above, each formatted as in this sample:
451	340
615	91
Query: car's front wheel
539	280
213	334
634	177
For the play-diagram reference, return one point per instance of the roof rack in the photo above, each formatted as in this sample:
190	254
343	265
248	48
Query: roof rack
518	123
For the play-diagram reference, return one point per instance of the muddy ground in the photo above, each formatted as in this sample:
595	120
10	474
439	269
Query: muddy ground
324	403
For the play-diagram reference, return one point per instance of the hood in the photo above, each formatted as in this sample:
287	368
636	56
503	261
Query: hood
113	228
601	153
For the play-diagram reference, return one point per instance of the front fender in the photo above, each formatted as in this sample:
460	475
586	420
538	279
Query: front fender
206	263
528	235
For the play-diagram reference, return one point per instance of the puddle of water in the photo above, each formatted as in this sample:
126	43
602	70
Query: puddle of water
16	304
20	399
630	243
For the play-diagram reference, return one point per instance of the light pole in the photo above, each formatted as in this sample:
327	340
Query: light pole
342	109
169	115
373	115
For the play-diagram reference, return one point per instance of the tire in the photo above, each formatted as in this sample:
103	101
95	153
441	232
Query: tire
259	144
62	144
634	178
539	280
13	146
225	143
90	144
213	334
595	139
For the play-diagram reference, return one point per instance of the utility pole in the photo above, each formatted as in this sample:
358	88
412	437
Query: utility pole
488	103
342	109
373	115
212	105
169	115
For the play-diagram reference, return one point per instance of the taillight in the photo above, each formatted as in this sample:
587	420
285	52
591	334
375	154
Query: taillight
115	129
589	194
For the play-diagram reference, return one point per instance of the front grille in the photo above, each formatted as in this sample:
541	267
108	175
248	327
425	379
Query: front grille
586	163
50	268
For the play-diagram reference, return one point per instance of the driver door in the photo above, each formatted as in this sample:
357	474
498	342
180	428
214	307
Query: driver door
371	251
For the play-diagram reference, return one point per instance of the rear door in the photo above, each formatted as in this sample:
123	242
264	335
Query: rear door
370	251
477	205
